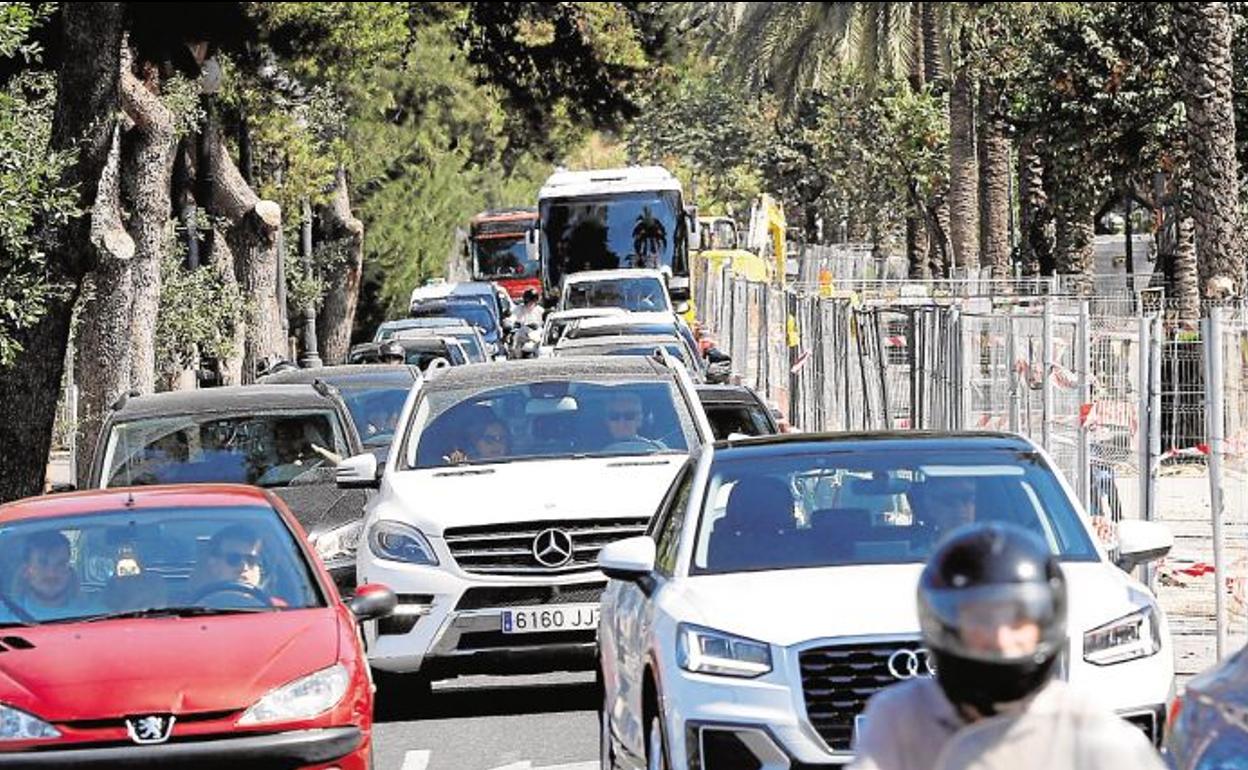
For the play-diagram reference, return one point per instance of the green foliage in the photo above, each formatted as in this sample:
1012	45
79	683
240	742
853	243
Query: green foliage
198	312
30	192
181	96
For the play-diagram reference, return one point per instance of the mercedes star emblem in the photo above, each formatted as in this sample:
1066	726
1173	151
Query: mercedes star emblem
908	664
552	548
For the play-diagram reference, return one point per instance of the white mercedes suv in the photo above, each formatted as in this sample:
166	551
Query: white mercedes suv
504	481
775	591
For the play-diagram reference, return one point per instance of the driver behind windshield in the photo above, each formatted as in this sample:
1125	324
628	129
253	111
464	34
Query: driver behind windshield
293	453
47	585
624	416
233	557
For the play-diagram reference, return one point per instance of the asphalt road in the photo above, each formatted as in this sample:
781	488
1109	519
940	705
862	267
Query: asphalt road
544	722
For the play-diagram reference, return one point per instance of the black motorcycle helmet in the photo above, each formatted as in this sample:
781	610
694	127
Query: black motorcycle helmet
992	609
530	295
391	352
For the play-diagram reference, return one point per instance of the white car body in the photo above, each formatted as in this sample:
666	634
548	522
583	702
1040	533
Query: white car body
793	611
558	320
464	508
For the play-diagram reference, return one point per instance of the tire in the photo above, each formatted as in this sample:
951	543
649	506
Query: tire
400	695
606	755
656	744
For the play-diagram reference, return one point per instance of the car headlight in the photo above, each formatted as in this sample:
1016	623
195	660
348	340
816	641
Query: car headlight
394	541
705	651
301	699
338	543
16	725
1130	637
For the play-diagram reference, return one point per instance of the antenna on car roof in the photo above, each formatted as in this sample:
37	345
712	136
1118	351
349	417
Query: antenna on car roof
324	388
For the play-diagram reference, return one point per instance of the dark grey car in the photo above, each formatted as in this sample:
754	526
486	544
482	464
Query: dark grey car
736	409
287	438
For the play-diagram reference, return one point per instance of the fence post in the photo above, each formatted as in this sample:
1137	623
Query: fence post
1214	428
1011	354
1154	433
71	407
1146	416
1046	382
1085	400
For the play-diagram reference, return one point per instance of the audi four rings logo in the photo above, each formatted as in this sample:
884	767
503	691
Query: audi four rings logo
552	548
908	664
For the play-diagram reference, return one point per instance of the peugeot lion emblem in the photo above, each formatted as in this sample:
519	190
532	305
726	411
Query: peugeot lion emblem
908	664
150	729
552	548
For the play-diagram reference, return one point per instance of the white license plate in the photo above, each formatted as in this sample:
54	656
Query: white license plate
558	617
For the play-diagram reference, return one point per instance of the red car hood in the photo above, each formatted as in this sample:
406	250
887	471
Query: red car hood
111	669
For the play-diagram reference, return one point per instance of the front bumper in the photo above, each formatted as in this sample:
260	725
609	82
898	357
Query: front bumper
449	623
280	751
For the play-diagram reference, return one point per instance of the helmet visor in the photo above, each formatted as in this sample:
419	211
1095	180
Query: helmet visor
999	623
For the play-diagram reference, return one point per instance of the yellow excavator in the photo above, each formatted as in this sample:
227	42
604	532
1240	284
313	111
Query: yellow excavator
758	256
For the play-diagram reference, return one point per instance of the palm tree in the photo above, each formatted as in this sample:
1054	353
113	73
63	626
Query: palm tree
1203	37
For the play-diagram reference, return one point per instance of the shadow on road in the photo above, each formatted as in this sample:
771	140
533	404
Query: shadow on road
397	702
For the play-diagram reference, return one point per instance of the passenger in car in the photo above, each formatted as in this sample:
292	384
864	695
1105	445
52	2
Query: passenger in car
47	585
758	525
486	438
944	503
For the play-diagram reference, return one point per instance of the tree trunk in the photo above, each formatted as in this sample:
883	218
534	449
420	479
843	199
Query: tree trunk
103	362
916	218
994	185
1075	247
83	119
1035	216
1203	32
221	260
963	172
337	316
1186	271
147	184
933	60
253	229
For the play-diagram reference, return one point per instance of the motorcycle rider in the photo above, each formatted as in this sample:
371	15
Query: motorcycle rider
992	609
529	318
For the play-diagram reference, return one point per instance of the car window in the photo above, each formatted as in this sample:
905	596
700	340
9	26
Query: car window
375	412
727	419
874	507
268	450
207	559
671	522
547	419
636	294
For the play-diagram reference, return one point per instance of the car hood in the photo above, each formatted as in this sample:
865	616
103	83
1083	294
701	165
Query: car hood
111	669
865	600
435	499
322	507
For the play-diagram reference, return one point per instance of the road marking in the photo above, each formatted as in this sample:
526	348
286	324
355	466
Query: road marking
415	760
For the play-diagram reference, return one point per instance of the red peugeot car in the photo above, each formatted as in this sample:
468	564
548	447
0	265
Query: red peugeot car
180	626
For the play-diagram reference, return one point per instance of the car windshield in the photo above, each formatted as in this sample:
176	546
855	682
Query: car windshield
267	450
674	349
636	294
548	419
611	232
424	352
740	419
375	412
181	561
504	257
472	345
873	507
395	328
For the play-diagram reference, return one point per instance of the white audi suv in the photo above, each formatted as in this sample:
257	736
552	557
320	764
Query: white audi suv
504	481
775	591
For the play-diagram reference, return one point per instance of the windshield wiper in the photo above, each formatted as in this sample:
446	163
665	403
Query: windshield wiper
166	612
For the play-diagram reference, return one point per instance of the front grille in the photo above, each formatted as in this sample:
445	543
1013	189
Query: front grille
507	549
837	681
487	640
526	596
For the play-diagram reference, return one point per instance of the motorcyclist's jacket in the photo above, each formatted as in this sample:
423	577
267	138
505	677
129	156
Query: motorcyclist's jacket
526	314
912	726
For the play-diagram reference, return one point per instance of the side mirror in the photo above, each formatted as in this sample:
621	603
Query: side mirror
1140	542
359	472
681	307
372	602
631	560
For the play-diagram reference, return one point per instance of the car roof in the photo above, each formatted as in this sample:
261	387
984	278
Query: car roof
585	312
874	441
728	394
628	319
502	373
588	276
348	376
435	331
258	399
423	322
136	498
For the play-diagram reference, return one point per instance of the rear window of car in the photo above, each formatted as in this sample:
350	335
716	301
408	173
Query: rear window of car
873	507
198	560
740	419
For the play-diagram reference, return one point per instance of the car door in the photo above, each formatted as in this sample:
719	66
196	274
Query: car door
632	613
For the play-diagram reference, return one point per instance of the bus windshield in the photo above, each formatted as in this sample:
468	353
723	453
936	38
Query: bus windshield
502	257
609	232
